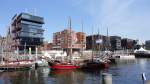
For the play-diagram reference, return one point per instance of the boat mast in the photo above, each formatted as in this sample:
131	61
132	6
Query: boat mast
92	44
99	41
82	39
107	31
107	40
70	30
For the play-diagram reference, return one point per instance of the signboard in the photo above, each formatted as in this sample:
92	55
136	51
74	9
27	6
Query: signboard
99	41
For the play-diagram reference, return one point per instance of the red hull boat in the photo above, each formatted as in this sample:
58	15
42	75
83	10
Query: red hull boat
61	66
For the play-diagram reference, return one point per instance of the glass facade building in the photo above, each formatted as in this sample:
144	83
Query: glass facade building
27	31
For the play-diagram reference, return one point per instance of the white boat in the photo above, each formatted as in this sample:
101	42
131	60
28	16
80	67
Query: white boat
123	54
142	53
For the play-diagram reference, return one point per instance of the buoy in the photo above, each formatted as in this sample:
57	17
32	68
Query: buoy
106	78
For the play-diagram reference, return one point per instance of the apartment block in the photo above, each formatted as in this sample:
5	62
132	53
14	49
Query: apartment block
68	38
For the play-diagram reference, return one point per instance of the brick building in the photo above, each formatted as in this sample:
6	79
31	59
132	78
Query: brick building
128	43
68	38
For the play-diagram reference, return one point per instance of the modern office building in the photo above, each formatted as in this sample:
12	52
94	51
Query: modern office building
115	43
26	31
97	42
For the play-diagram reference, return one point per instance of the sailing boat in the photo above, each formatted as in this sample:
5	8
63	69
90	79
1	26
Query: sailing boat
9	65
94	64
65	65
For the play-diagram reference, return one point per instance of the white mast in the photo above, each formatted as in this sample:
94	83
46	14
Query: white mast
108	42
99	39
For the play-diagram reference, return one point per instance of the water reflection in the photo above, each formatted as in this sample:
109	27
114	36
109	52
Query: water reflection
129	71
63	76
75	77
23	77
123	72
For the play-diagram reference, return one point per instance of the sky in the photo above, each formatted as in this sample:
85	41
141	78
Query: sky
125	18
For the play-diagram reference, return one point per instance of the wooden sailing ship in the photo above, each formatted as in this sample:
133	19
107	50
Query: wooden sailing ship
94	64
68	64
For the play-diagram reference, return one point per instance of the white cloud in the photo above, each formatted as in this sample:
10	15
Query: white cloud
127	18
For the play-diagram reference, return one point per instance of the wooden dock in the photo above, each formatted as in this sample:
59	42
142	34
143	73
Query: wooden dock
12	67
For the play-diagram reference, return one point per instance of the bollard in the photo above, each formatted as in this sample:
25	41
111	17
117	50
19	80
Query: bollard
106	78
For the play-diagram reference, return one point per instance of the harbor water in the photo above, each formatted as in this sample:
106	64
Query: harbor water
123	72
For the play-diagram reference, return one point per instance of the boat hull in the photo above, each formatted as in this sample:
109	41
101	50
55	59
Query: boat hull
63	66
142	55
16	65
95	66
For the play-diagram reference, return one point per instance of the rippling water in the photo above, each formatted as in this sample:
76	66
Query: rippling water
123	72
